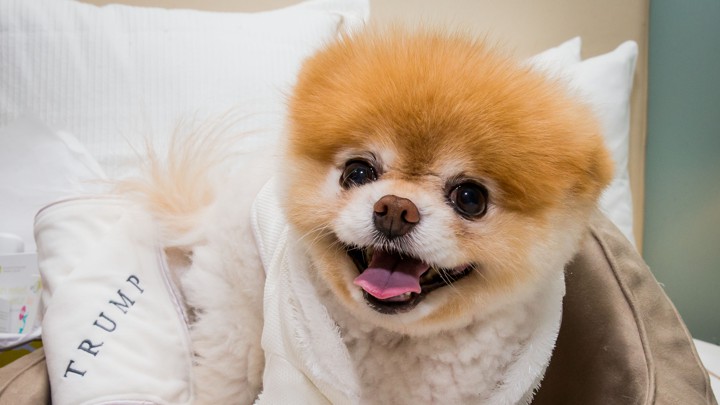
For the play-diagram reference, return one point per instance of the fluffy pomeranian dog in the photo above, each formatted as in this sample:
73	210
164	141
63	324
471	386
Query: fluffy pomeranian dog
435	189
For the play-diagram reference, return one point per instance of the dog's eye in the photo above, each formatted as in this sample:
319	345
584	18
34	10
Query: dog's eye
469	199
357	172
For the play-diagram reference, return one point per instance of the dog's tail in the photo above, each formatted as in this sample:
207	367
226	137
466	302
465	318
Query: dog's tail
178	185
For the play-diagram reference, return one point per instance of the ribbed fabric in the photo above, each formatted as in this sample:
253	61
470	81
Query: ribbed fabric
113	328
115	76
305	358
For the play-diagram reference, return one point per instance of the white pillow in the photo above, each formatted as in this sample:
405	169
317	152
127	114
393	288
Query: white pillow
37	167
556	61
115	75
606	82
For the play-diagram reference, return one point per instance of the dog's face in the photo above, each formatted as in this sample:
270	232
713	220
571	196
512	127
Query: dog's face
430	178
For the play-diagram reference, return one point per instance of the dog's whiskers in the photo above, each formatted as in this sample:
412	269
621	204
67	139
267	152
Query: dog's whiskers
315	236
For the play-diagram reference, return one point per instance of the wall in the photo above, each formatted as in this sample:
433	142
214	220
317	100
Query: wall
682	189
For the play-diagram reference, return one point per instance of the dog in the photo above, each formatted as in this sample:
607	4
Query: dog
433	189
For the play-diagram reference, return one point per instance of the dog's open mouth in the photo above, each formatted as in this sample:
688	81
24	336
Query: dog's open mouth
393	283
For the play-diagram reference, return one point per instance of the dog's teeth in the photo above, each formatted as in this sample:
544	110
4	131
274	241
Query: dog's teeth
400	298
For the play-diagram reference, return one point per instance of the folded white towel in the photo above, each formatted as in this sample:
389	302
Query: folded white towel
304	354
113	330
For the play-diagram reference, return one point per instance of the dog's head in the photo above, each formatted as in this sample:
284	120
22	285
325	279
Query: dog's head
430	177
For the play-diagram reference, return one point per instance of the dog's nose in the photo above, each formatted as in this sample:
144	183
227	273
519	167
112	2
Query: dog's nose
395	216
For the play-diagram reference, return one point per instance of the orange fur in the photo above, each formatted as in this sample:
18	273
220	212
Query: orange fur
437	97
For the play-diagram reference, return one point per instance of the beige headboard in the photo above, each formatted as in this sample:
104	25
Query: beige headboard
526	27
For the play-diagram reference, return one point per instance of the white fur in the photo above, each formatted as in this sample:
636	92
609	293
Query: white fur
429	240
224	285
497	359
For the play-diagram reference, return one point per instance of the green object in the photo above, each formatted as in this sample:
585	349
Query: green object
682	194
8	356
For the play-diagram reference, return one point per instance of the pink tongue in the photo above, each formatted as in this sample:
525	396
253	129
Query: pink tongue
390	275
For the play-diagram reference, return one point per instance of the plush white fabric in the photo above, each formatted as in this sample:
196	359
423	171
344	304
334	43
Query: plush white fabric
556	60
115	75
113	328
